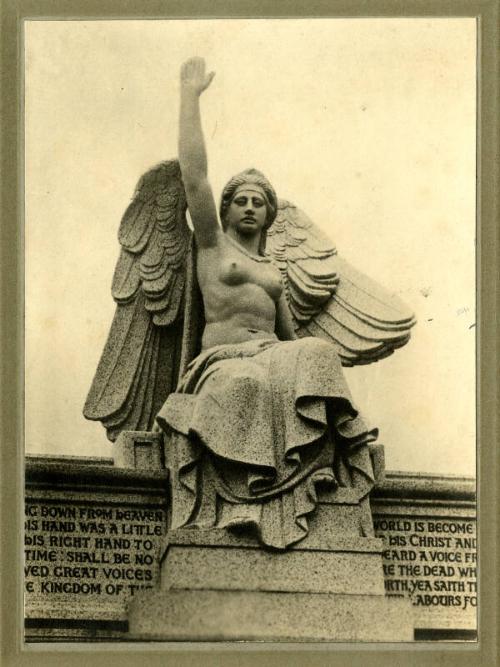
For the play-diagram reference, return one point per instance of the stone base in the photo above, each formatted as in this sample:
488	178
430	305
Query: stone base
212	615
216	585
218	560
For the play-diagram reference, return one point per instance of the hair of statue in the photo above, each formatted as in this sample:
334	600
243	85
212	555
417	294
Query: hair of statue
251	177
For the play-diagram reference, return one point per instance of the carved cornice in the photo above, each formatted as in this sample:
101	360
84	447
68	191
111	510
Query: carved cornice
425	487
99	474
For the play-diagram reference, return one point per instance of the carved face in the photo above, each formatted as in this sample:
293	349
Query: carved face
247	212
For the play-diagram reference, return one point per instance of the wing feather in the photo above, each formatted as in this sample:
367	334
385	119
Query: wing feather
370	299
140	361
126	279
331	299
127	342
344	318
155	237
136	226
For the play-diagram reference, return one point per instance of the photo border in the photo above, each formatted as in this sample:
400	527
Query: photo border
14	651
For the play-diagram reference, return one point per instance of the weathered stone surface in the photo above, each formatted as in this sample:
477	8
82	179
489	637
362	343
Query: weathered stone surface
428	523
268	616
93	537
139	450
195	560
253	593
96	484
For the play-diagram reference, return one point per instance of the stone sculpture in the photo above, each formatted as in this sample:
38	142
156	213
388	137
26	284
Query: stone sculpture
232	341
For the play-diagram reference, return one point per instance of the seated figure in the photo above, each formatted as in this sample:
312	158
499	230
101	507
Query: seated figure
212	344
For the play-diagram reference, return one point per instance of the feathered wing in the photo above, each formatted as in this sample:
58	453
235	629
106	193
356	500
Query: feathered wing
140	363
331	299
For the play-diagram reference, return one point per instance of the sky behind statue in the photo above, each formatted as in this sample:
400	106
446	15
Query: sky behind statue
368	125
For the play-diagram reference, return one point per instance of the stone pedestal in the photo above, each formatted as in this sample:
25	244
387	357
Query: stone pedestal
218	585
223	585
82	511
269	616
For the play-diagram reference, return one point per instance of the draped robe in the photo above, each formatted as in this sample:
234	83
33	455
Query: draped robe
253	428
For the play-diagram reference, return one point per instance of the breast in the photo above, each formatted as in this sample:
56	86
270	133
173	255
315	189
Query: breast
241	271
234	273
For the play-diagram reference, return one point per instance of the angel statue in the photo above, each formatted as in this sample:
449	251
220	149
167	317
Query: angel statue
231	340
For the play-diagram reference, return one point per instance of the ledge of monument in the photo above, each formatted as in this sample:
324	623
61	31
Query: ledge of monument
71	472
83	470
425	486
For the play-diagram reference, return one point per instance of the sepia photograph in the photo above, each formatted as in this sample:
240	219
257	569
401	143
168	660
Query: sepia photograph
250	330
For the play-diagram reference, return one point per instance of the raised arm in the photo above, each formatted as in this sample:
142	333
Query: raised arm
193	156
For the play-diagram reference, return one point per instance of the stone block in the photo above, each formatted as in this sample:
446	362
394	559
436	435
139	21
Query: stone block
213	615
255	569
229	538
140	450
93	535
331	521
214	559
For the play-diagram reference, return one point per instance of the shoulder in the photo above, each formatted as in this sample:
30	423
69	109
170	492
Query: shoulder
214	252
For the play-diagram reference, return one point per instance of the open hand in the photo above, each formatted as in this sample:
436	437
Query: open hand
193	75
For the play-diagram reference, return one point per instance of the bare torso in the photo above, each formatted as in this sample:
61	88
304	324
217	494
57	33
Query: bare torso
240	294
242	291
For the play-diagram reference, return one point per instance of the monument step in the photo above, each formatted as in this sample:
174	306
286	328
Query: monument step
212	615
197	559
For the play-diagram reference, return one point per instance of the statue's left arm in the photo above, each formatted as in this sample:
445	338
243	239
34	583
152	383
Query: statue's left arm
285	329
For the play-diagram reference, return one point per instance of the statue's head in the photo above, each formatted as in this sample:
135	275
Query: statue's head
256	180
